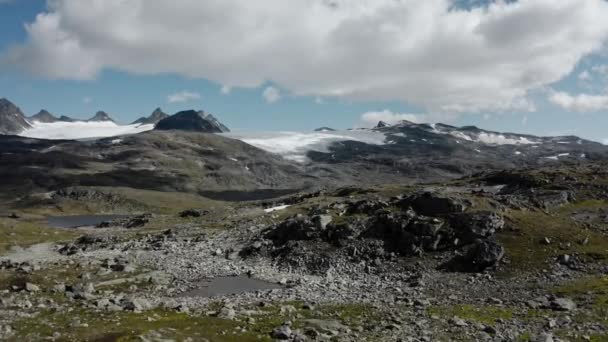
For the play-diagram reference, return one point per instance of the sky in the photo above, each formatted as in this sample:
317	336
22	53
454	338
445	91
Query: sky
528	66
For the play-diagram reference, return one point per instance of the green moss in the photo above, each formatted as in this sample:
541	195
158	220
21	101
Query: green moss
128	326
593	290
525	249
482	314
25	233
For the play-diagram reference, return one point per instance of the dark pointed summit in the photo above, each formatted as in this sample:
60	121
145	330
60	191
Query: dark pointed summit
325	129
101	116
154	118
214	121
44	116
382	124
191	120
12	120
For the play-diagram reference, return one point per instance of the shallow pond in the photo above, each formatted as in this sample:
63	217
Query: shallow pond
230	285
80	220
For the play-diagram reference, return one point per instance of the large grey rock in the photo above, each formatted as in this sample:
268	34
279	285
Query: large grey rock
563	304
281	333
477	257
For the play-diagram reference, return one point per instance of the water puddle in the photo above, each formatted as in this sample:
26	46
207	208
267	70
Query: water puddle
221	286
80	220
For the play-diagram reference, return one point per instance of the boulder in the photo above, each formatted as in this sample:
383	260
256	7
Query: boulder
281	333
430	204
478	225
193	213
477	257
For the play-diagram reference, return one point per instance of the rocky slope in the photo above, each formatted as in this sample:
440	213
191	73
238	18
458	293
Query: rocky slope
156	160
101	116
43	116
12	119
192	121
422	152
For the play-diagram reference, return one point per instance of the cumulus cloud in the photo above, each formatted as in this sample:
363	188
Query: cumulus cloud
428	53
600	69
371	119
584	75
271	94
580	102
183	96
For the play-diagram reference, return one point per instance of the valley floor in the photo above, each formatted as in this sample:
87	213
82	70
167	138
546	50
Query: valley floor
504	256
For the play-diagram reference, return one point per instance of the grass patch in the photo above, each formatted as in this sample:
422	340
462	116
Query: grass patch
482	314
26	233
594	291
527	252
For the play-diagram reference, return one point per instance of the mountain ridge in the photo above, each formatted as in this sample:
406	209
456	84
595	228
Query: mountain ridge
12	119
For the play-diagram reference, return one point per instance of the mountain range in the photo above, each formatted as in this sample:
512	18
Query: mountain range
174	156
14	122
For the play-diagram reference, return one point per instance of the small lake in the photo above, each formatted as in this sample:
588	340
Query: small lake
221	286
81	220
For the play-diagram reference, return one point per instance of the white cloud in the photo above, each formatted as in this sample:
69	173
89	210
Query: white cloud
87	99
371	119
225	90
271	94
584	75
580	102
426	53
183	96
600	69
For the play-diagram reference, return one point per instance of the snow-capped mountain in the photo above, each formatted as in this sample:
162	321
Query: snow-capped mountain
12	119
43	116
101	116
214	121
191	120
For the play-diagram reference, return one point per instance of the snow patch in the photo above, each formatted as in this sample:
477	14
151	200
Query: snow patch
499	139
277	208
295	145
81	130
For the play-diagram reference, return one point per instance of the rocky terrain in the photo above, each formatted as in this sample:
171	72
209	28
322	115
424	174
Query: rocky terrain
513	255
407	232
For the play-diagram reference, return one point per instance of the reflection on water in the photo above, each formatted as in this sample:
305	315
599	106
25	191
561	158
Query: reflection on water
230	285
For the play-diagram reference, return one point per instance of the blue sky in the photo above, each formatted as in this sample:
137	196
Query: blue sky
131	86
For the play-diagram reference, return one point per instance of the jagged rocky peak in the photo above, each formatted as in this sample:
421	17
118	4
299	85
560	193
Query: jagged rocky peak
191	120
382	124
44	116
101	116
12	120
214	121
325	129
153	119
